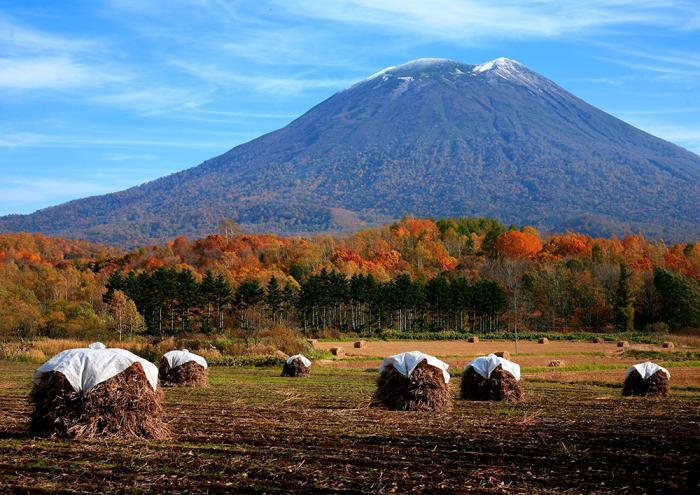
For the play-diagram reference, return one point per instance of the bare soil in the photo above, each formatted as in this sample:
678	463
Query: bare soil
383	348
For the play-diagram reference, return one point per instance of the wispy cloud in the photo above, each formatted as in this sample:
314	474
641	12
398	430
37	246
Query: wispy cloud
123	157
291	84
18	38
53	73
686	136
154	100
662	62
36	140
28	191
471	19
37	60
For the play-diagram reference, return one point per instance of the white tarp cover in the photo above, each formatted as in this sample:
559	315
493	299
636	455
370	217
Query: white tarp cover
406	362
85	368
97	345
305	361
484	365
647	369
178	358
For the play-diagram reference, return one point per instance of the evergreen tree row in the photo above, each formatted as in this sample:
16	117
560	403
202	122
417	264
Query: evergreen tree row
172	301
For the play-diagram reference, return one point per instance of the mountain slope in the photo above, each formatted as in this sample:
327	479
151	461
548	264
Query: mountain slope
432	137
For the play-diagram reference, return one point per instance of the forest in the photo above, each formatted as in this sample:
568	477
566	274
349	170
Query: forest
414	275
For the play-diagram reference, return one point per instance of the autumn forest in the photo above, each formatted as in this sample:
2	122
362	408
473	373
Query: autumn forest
416	275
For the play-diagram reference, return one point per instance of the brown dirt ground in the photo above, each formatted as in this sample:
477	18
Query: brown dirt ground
464	348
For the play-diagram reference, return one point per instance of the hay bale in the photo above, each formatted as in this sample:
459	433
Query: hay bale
124	406
338	351
360	344
543	340
499	386
623	343
668	345
503	354
424	390
295	367
599	340
183	368
312	342
655	385
473	339
189	374
556	363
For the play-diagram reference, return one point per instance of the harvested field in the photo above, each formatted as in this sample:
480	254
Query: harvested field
383	348
253	431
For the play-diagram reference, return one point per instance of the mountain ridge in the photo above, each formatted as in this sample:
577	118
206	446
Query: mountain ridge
431	137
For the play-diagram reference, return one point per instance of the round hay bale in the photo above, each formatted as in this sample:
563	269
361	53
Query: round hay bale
360	344
338	351
500	386
654	386
668	345
473	339
503	354
556	363
599	340
543	340
312	342
424	390
623	343
295	368
124	406
189	374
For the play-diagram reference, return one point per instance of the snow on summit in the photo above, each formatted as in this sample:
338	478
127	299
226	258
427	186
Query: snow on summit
508	69
500	63
502	67
413	64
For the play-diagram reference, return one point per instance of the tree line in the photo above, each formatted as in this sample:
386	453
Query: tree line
385	277
173	302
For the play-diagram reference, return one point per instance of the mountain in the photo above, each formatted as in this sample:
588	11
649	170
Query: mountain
431	137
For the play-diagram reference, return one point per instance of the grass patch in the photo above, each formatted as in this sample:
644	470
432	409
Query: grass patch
663	355
603	367
247	361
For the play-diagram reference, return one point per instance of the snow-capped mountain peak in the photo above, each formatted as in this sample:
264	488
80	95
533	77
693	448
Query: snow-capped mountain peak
498	64
510	70
419	63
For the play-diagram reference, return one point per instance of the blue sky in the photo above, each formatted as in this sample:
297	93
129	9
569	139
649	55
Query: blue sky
97	96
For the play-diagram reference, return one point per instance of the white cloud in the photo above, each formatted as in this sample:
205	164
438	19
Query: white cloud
291	84
124	157
49	73
685	136
154	100
50	190
18	38
37	140
472	19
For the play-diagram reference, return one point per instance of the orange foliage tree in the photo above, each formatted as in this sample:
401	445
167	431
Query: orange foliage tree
520	245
